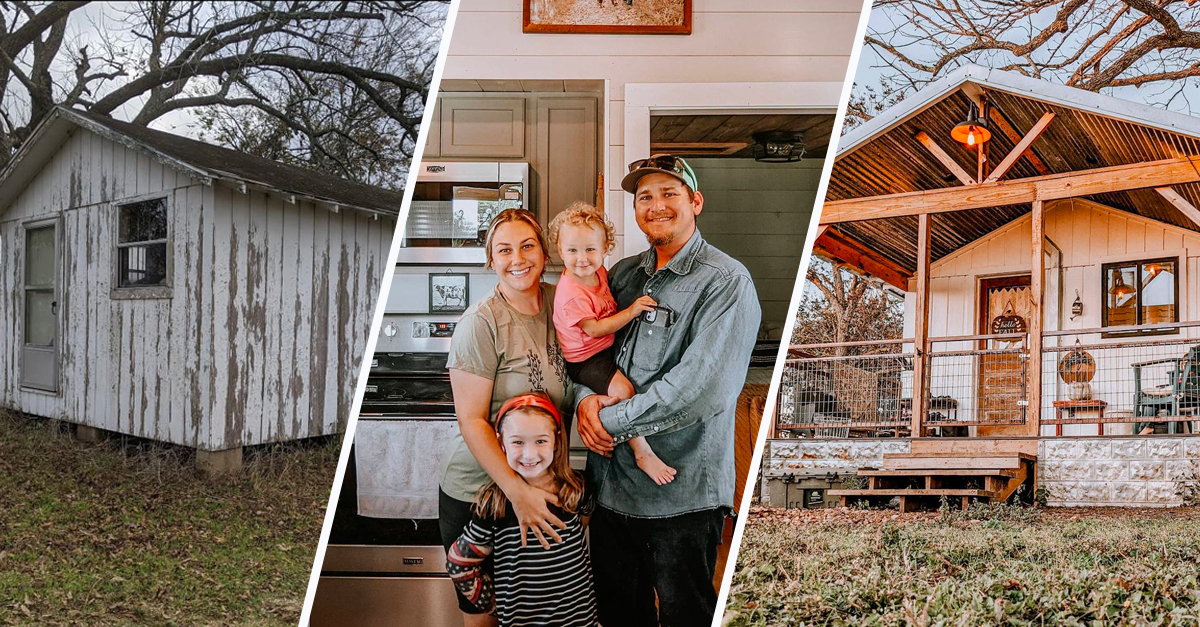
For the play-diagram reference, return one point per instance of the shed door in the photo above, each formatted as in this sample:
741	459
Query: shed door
1002	375
39	351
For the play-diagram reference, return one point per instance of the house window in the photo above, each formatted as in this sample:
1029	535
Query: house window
1141	292
142	244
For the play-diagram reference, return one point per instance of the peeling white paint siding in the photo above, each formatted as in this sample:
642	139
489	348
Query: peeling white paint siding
261	338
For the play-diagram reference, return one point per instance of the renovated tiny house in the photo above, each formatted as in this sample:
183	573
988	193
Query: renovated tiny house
1047	243
165	288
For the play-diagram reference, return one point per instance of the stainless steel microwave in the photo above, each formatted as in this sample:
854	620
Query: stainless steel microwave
452	206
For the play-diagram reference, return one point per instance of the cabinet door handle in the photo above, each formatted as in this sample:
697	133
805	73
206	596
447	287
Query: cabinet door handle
54	308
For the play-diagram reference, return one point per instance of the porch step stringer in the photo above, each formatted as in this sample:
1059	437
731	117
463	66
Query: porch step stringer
926	478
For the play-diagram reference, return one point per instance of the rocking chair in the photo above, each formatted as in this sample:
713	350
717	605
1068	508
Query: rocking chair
1179	395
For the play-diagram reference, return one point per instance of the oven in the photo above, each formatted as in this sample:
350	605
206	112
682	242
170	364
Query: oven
384	564
453	203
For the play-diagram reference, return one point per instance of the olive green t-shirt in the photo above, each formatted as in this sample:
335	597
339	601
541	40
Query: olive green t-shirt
520	354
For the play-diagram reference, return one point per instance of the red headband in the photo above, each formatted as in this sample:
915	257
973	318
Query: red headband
528	400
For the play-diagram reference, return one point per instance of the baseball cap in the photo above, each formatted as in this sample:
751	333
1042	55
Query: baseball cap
662	163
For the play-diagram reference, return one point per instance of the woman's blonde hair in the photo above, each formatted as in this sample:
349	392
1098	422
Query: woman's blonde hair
490	501
583	214
515	215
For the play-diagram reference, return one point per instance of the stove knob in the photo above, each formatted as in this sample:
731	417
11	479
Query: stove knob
389	330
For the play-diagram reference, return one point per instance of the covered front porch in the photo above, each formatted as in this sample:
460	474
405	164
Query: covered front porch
1048	270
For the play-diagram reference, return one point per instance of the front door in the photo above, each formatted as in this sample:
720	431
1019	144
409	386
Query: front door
1004	306
39	349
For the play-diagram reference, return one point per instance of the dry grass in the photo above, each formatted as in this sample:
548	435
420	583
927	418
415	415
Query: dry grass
127	532
991	567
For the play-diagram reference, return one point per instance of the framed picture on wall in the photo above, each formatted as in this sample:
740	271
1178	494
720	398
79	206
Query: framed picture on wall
449	292
637	17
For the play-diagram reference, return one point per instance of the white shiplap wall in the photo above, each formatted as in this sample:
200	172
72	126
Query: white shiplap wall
759	213
261	338
731	41
1089	235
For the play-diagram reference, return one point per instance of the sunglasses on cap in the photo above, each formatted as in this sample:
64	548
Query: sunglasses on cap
661	162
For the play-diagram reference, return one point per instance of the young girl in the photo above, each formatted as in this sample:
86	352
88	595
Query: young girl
532	585
586	316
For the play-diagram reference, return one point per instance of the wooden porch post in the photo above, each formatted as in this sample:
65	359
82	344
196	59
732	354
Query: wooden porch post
921	329
1037	294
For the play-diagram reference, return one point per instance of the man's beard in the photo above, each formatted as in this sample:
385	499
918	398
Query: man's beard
661	240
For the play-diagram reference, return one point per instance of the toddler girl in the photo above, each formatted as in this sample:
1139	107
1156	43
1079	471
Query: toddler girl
586	316
532	585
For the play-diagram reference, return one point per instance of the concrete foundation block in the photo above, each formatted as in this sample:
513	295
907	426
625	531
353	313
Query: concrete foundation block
1163	448
1129	449
1129	493
91	435
1147	470
1191	448
212	463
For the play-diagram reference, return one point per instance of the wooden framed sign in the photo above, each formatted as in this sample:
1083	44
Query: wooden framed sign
629	17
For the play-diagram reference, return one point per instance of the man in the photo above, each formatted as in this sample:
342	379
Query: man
688	362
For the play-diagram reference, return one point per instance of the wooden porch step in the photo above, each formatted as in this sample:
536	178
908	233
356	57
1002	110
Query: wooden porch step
908	461
943	472
914	492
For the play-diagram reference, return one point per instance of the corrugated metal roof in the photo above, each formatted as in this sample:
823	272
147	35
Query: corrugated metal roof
883	157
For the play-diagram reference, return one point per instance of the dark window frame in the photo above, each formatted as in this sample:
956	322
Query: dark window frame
122	290
1139	264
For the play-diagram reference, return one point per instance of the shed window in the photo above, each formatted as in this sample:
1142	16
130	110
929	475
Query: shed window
142	244
1141	292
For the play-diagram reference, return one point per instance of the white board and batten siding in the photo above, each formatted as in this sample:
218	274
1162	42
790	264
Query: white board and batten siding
257	343
759	214
1088	235
731	42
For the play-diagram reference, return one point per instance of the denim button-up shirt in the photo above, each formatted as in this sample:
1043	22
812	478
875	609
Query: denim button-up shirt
687	375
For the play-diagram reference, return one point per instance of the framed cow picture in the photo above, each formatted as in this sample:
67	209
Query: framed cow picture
628	17
449	292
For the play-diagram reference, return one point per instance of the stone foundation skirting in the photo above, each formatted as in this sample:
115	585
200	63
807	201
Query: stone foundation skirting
1119	471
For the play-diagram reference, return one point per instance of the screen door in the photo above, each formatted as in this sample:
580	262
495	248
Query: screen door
39	352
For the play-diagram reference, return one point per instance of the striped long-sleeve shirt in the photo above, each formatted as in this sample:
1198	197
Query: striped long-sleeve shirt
532	585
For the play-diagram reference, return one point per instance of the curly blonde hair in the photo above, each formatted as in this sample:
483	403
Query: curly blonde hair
583	214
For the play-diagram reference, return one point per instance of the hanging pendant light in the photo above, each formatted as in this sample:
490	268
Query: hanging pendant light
972	131
1121	288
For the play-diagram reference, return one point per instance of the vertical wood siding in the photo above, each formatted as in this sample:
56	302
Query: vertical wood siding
261	339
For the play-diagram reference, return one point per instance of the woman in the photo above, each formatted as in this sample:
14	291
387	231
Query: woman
503	346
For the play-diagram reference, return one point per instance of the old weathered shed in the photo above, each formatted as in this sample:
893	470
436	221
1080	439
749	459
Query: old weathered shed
161	287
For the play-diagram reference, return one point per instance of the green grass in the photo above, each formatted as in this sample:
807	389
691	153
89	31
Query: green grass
128	532
988	567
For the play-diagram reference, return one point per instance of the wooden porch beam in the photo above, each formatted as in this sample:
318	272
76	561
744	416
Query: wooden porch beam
1181	203
1037	294
1013	136
921	330
834	244
1011	159
944	158
1015	192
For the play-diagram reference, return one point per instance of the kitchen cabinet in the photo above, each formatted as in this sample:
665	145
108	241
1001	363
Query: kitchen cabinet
557	133
566	152
481	127
433	140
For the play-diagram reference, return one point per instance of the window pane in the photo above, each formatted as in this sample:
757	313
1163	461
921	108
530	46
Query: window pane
1121	299
142	265
39	321
39	257
1158	292
144	221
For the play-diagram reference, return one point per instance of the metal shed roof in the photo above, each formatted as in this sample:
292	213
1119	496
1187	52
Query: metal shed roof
1089	131
204	161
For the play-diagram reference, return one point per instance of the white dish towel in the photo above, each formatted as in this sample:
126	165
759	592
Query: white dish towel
397	463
